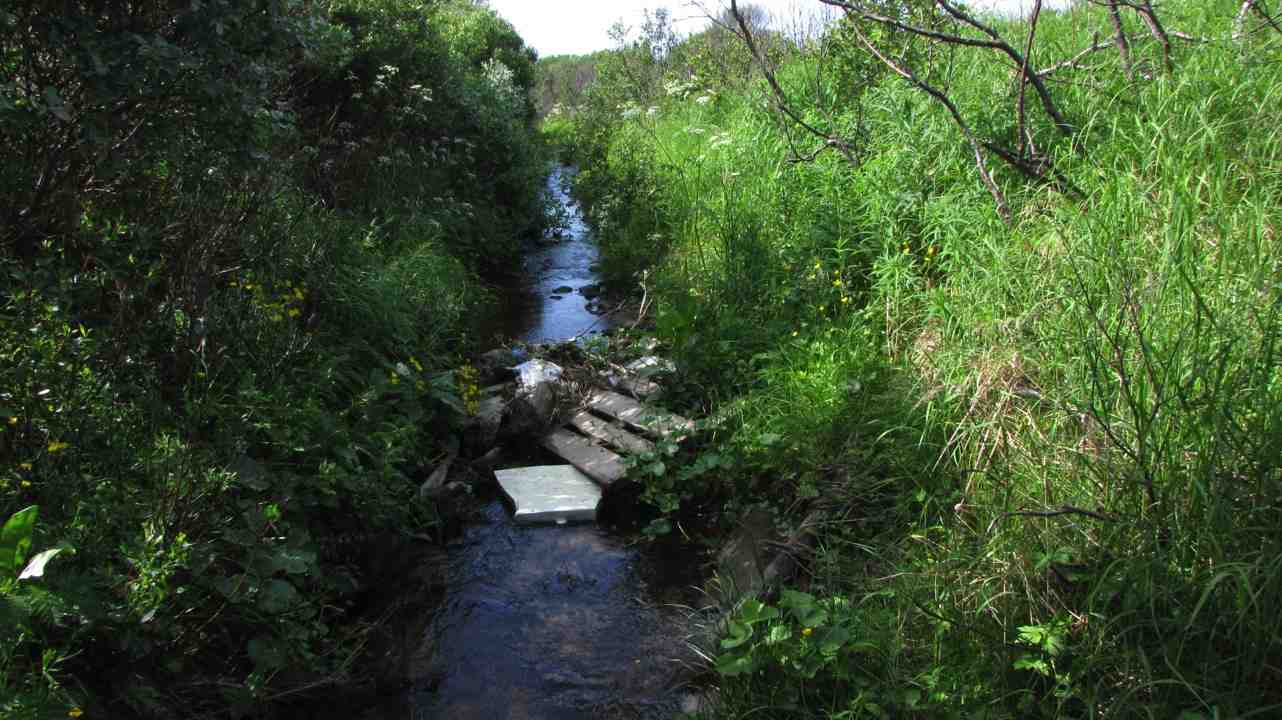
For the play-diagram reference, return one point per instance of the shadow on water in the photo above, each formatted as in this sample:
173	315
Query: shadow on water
550	623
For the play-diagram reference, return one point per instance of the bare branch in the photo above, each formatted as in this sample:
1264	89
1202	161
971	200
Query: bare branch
995	42
1073	61
976	147
781	98
1119	37
1064	510
1026	137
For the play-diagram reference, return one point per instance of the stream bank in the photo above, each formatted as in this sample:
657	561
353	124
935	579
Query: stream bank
549	622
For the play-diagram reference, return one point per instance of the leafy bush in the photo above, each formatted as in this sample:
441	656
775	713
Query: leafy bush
244	245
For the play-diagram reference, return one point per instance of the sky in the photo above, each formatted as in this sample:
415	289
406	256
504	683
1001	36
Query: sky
565	27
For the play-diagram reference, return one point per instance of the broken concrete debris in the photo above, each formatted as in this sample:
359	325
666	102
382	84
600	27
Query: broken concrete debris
550	494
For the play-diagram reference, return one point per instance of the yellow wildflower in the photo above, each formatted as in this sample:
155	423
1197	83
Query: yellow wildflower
58	446
845	299
295	312
25	484
25	466
13	421
807	631
75	712
298	294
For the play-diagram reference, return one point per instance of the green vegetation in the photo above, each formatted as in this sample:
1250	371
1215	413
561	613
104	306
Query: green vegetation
1038	396
242	249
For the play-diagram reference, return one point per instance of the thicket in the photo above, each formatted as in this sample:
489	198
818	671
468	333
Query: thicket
243	247
1000	297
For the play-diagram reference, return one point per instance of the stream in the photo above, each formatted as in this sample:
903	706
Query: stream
548	622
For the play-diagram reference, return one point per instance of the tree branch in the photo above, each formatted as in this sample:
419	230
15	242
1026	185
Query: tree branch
780	98
976	147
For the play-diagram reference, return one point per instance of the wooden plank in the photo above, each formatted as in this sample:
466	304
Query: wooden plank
595	461
642	417
640	387
609	433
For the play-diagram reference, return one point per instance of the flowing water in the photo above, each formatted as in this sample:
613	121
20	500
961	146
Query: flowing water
549	623
549	303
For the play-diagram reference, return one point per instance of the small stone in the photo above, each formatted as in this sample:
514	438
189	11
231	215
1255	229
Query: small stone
483	428
742	563
489	460
563	290
532	409
556	297
495	365
437	479
590	291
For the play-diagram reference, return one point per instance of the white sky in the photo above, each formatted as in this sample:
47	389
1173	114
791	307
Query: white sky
563	27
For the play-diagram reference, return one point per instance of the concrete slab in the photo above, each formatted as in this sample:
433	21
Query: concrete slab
550	494
642	417
609	433
595	461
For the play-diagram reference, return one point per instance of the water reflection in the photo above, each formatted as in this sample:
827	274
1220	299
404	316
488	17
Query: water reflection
541	309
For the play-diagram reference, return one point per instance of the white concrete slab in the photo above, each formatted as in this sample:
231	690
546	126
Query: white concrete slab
550	494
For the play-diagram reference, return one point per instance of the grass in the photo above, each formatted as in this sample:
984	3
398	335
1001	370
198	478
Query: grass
1051	451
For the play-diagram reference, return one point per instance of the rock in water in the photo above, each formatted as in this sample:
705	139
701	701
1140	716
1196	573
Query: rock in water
483	428
495	365
532	409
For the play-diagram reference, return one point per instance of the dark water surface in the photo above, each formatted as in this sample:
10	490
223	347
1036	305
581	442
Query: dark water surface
550	623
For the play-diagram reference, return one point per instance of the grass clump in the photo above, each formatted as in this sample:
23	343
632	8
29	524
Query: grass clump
1047	446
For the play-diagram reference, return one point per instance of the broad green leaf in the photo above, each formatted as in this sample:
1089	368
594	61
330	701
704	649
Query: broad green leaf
658	527
739	633
36	568
266	653
733	664
293	561
795	600
833	640
778	634
911	697
1029	662
277	596
15	538
754	611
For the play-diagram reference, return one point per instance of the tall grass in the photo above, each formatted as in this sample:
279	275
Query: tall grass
1055	448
